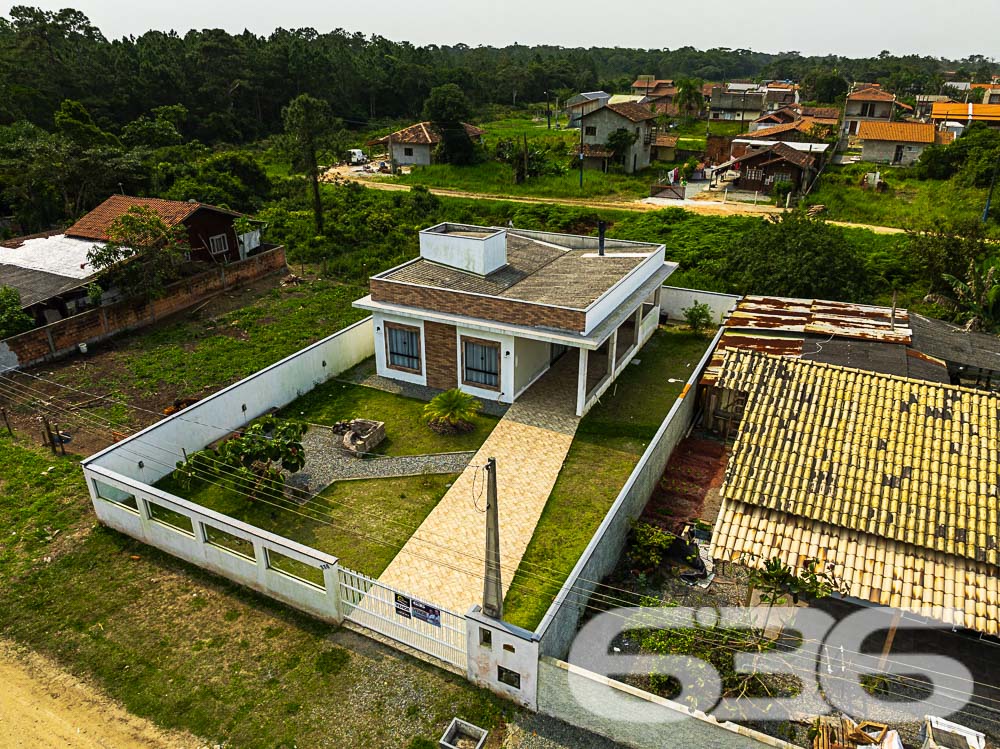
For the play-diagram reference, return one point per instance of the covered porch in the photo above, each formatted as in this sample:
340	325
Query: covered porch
583	373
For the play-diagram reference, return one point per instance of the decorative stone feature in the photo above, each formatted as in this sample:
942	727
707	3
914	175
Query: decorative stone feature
360	436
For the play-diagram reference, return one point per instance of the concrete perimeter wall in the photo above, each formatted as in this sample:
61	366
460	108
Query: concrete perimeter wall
149	455
635	718
559	626
674	300
62	337
224	545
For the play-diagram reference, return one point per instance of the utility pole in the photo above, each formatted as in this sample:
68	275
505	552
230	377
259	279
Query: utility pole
492	587
548	110
989	195
581	151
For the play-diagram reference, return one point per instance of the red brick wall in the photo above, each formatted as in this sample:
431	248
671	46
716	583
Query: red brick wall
487	308
62	337
441	355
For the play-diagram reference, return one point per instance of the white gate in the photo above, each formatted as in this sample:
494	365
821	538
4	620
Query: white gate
411	621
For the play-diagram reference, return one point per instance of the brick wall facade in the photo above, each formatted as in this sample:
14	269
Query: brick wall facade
441	355
62	337
508	311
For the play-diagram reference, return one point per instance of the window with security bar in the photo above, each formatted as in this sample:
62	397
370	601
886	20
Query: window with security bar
481	364
403	346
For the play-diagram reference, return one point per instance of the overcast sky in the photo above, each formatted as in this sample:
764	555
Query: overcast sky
856	28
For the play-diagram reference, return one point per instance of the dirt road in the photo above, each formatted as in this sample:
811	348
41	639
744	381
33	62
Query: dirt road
43	707
702	207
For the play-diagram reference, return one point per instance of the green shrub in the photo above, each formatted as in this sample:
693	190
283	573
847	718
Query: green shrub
451	411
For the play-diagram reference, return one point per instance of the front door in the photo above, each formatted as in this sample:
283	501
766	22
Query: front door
898	156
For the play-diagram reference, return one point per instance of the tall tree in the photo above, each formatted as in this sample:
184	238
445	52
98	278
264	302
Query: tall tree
307	119
448	108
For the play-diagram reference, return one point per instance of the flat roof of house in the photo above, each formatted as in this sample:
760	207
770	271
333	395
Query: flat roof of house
891	480
537	271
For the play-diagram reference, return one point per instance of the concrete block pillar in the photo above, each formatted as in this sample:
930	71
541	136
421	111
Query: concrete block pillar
502	658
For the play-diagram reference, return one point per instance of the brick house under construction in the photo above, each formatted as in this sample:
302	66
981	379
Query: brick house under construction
489	310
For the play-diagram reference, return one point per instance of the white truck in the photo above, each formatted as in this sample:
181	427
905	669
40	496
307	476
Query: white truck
356	156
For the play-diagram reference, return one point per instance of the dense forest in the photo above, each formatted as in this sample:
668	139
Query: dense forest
234	86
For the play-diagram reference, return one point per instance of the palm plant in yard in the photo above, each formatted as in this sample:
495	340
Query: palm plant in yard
975	299
451	411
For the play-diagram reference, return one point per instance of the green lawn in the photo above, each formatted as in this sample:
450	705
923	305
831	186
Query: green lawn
607	446
909	203
364	523
406	432
192	651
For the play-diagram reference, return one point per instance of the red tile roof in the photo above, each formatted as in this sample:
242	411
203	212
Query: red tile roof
593	150
826	113
665	141
899	132
423	134
95	224
871	94
804	125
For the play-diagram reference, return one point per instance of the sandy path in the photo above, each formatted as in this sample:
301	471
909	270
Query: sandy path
43	707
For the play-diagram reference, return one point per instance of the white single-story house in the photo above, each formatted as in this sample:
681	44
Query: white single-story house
490	310
414	145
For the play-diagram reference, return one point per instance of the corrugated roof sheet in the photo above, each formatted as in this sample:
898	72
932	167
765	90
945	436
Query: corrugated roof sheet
902	459
965	112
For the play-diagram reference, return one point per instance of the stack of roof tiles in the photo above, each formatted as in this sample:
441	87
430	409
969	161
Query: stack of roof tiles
890	483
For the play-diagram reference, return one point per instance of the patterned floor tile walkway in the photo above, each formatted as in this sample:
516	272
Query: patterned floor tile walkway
442	561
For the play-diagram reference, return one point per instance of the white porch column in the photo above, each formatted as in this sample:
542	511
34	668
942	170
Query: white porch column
581	383
613	354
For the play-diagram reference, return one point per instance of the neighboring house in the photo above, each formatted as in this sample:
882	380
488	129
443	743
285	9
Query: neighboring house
925	102
636	118
761	169
897	143
805	130
737	101
664	147
889	481
964	115
740	146
595	156
625	99
991	95
489	310
653	88
581	104
780	94
782	116
415	144
51	270
869	103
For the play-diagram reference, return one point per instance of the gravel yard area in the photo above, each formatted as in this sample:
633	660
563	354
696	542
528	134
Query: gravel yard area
326	463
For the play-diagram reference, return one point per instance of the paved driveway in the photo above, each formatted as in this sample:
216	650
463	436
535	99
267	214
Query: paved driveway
443	560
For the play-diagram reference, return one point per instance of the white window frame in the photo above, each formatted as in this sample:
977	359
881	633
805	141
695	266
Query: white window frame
212	244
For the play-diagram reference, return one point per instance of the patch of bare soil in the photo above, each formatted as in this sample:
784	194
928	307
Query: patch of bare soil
43	706
689	488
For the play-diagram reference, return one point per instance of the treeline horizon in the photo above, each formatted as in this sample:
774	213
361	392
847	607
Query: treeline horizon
235	85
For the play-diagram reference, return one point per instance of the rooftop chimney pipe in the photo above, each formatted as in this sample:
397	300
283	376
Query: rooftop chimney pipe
601	226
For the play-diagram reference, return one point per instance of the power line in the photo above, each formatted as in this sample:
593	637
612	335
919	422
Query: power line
326	518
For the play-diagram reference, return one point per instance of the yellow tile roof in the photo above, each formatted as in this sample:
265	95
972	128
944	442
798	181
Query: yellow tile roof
943	586
907	460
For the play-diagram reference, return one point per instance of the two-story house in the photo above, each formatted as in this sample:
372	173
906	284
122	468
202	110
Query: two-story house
635	118
742	102
489	310
868	103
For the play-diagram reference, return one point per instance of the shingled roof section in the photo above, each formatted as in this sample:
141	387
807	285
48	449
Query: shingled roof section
897	132
95	225
422	134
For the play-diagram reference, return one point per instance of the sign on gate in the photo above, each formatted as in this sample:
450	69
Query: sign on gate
426	613
418	624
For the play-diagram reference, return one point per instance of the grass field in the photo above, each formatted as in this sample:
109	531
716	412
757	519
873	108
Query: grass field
909	203
607	446
406	431
192	651
364	523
